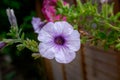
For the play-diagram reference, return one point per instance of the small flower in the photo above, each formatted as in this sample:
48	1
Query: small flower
59	41
2	44
49	11
37	24
11	17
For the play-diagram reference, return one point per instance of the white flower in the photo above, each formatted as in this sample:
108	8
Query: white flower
59	41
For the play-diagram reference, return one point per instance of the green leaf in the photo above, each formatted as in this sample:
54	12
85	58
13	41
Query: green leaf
20	47
84	40
31	45
75	27
117	16
22	36
118	46
101	35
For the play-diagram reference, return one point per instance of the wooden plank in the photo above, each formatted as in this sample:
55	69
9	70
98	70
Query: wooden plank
49	71
109	69
71	71
82	59
118	62
102	65
57	70
98	75
103	69
74	69
101	55
64	72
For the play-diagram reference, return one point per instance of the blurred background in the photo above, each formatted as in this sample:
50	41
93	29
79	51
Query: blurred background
15	65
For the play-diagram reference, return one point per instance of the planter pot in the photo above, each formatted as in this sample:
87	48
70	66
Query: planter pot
101	65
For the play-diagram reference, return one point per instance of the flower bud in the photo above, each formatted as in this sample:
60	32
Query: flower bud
11	17
36	55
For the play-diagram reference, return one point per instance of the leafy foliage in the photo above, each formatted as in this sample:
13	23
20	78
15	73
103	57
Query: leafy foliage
102	25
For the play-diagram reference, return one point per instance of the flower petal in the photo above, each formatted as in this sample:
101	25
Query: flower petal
47	33
50	28
37	24
73	41
73	45
47	50
75	35
63	27
64	56
44	36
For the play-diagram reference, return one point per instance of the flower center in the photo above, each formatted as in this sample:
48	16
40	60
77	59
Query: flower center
59	40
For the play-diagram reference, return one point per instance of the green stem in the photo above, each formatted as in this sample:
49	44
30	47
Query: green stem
113	27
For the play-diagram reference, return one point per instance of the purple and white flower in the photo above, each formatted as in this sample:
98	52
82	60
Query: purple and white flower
37	24
60	41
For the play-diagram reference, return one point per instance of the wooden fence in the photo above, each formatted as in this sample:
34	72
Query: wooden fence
93	64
